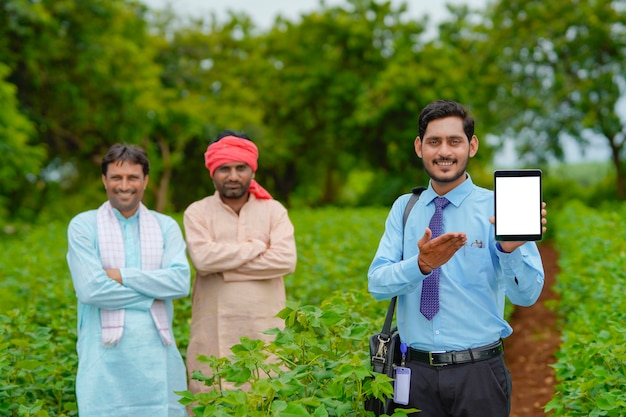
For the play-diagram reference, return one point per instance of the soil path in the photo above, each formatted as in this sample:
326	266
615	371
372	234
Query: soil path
529	351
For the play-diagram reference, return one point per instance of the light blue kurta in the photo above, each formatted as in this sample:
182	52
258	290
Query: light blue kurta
137	377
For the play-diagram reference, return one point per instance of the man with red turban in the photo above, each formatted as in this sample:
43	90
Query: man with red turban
241	243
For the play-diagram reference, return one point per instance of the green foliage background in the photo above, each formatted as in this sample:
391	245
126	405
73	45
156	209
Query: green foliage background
329	304
590	368
332	101
38	305
331	98
328	319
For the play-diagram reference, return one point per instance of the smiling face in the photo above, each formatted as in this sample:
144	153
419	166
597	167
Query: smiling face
445	151
125	183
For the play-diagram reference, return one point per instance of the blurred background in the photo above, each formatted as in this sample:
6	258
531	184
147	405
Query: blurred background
330	91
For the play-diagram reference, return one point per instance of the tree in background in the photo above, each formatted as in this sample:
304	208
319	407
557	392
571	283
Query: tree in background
319	88
20	160
557	69
85	77
209	83
331	99
420	71
295	89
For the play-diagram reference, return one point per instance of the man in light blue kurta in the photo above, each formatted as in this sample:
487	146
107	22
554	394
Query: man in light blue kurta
138	375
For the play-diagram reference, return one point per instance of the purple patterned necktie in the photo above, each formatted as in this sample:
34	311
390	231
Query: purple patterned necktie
429	302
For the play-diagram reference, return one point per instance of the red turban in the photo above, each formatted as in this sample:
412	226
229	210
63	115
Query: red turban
233	149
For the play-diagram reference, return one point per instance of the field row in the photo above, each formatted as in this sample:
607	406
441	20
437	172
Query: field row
591	369
38	306
322	348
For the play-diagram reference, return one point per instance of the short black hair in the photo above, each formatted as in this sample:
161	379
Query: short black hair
225	133
126	153
440	109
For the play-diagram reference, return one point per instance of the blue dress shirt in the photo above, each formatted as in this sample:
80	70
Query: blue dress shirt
473	282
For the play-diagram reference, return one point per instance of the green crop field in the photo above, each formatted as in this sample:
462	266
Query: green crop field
38	306
322	349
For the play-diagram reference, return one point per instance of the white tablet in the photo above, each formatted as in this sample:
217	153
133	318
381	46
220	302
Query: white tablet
517	195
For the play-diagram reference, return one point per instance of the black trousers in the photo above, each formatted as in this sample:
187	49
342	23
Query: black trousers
480	389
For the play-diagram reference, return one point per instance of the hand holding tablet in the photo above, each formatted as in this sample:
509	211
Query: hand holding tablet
517	196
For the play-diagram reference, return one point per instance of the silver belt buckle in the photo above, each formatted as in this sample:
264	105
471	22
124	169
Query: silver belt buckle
430	359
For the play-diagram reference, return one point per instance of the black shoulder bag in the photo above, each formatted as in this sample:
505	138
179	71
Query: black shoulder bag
385	346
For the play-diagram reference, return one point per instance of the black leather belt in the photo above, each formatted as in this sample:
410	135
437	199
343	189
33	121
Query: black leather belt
456	357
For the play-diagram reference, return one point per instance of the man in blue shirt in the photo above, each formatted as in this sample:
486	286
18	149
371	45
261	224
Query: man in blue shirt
455	350
128	264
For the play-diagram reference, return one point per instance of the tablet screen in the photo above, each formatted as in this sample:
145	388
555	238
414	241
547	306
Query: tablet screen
517	195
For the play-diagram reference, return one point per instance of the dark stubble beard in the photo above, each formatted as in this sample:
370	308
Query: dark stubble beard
123	207
234	194
459	173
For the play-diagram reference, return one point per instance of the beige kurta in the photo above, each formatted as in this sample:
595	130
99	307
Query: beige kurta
239	285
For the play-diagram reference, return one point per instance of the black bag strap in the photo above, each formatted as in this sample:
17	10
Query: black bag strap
386	332
416	192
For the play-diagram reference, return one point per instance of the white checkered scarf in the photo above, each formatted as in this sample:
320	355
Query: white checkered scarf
113	256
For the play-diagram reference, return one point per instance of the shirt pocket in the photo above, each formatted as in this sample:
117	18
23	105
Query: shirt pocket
476	266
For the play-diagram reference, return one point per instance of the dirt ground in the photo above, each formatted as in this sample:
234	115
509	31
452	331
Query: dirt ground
529	351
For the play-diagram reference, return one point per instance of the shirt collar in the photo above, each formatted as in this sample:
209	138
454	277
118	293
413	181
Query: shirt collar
455	196
123	219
